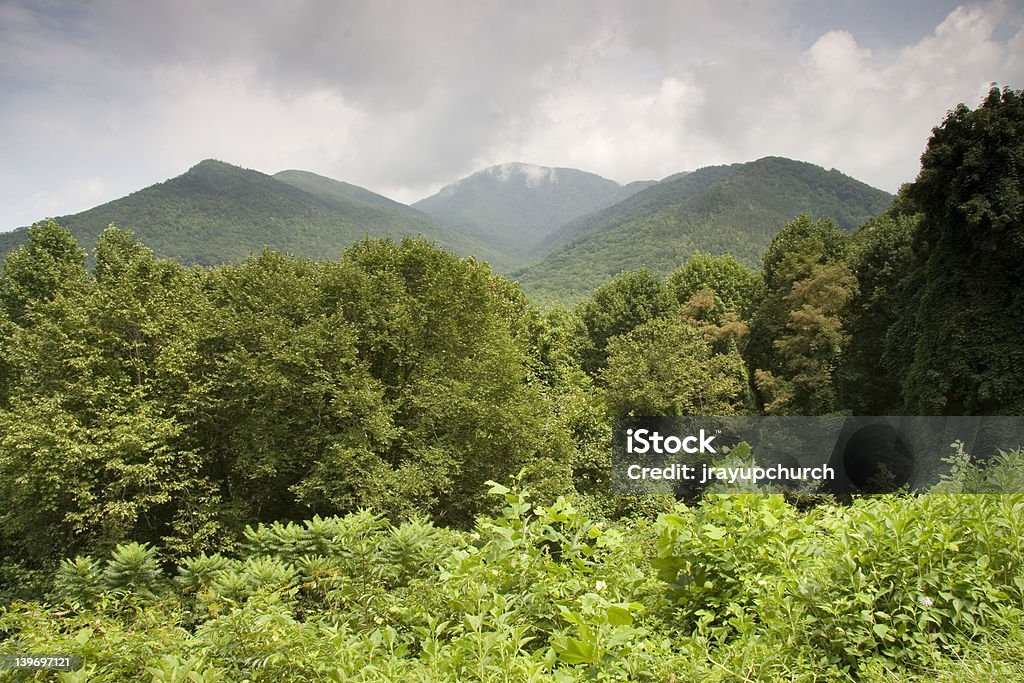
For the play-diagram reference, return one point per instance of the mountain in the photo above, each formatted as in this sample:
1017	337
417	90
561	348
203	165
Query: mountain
719	209
671	191
216	212
514	207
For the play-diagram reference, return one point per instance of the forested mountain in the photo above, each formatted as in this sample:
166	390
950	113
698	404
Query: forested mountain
671	191
720	209
515	207
217	212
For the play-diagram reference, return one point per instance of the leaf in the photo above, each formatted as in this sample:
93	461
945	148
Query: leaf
881	630
496	488
573	651
619	616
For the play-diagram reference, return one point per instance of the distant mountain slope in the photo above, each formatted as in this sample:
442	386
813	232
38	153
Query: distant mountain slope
372	209
514	207
671	191
216	212
345	194
736	209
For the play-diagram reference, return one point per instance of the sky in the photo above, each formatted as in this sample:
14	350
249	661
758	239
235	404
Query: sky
101	98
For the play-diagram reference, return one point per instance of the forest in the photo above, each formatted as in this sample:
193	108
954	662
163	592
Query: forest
394	466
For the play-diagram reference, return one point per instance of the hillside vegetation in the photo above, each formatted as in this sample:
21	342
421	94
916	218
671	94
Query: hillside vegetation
219	213
719	210
515	207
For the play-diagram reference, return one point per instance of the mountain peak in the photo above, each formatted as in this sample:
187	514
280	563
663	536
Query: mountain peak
515	205
208	164
532	175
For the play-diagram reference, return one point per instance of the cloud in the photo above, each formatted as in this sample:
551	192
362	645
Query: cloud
404	97
79	191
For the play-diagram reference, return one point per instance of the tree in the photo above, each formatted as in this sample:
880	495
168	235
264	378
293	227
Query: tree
623	303
668	367
797	335
965	304
736	288
50	262
440	337
811	345
93	450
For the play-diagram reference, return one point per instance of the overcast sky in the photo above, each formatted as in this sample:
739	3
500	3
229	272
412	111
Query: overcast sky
98	99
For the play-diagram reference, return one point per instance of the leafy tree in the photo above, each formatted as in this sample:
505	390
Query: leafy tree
797	336
811	344
623	303
965	303
435	332
736	288
668	367
93	451
283	403
50	262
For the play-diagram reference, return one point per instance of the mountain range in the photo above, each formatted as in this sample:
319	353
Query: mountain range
734	209
515	207
559	231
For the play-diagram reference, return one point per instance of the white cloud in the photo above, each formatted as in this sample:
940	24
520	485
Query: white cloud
77	192
404	97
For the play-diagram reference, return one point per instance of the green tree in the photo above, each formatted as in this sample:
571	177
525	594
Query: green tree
736	288
48	263
797	335
668	366
965	305
92	451
623	303
437	333
283	408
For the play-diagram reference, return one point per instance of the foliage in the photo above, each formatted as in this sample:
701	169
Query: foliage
620	305
738	212
219	213
872	364
736	587
168	406
668	367
513	207
962	293
797	335
736	288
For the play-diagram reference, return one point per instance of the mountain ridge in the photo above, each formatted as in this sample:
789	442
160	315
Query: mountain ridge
216	212
737	210
514	206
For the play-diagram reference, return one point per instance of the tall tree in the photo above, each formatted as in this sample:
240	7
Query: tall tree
92	450
797	335
966	307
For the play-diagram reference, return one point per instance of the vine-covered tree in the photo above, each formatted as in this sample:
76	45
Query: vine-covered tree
873	362
965	303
